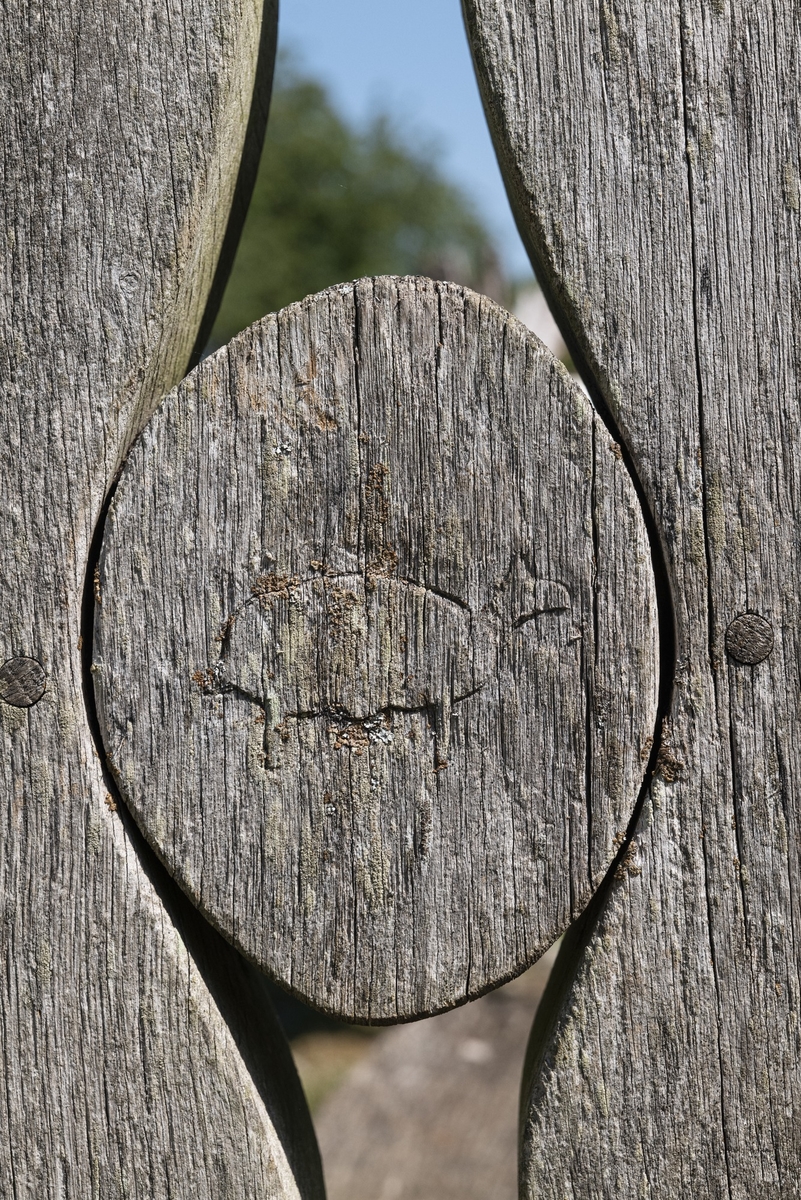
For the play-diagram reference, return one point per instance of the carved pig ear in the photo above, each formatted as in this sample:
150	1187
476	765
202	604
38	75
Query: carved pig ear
376	657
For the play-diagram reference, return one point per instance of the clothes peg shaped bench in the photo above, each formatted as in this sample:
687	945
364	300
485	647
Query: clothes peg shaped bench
381	658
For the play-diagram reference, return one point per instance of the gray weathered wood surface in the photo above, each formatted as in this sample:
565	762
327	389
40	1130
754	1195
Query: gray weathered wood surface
652	152
376	656
127	1069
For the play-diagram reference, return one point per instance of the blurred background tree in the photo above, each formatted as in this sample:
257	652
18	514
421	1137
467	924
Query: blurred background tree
333	202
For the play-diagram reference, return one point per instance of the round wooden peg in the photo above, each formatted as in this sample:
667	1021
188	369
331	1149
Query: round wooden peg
22	682
749	638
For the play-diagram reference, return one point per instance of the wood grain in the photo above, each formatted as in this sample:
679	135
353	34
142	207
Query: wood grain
653	159
123	129
376	657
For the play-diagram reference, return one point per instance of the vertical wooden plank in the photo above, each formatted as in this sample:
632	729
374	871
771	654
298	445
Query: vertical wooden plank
123	131
652	154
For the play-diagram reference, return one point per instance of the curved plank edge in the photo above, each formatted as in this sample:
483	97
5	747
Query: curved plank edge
242	997
252	146
120	153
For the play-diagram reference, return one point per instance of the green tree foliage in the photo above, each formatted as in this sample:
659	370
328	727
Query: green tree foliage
332	203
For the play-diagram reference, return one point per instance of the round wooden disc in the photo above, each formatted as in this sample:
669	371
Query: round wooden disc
376	659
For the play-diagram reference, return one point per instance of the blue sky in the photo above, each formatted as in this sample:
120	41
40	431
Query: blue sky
408	58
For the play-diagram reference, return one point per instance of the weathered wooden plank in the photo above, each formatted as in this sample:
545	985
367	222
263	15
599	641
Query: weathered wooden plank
376	657
652	154
122	135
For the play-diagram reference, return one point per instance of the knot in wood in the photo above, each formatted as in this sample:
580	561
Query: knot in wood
22	682
749	638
